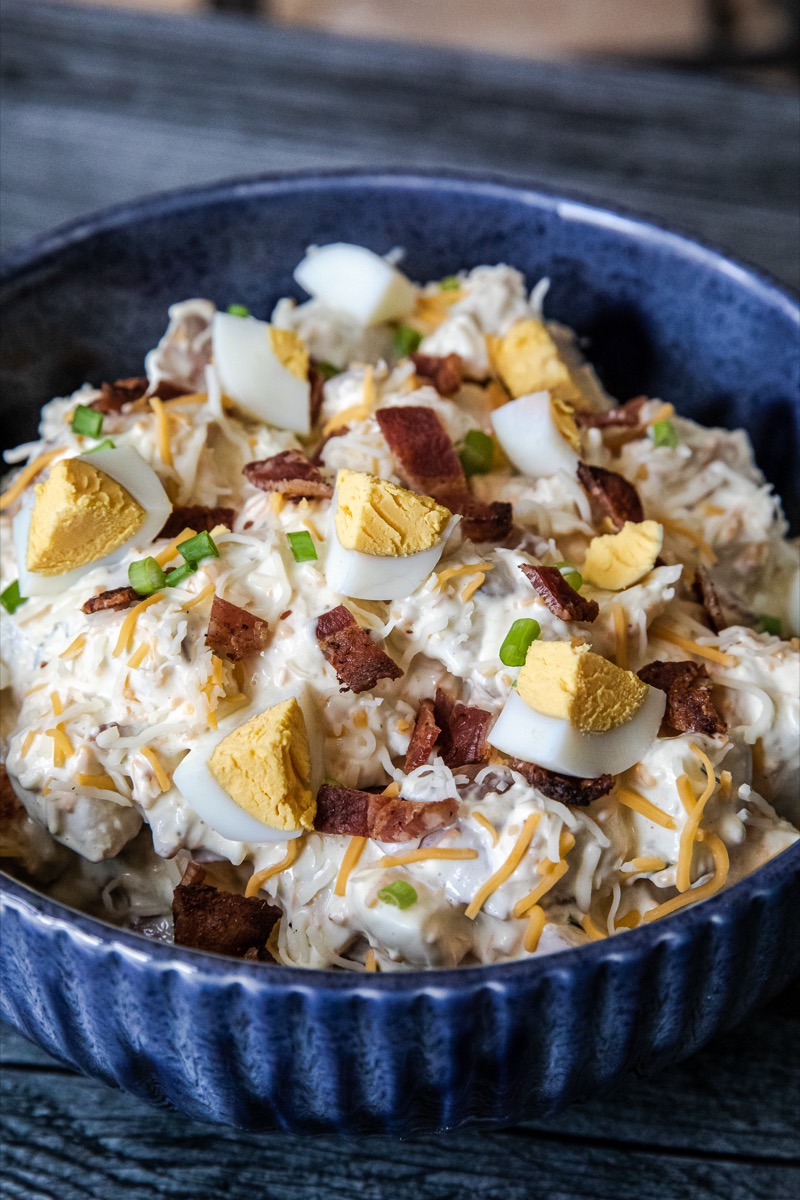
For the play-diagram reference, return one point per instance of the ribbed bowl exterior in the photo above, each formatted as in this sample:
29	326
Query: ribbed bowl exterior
262	1047
265	1047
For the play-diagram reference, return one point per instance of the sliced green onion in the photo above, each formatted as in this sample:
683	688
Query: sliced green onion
327	370
11	599
146	576
665	434
399	893
238	310
196	548
516	642
178	574
767	624
571	574
302	546
450	283
477	453
87	421
406	340
106	444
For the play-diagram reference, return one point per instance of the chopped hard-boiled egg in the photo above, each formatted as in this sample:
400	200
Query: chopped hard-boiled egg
87	512
264	370
527	360
356	281
576	713
538	434
385	540
615	561
252	780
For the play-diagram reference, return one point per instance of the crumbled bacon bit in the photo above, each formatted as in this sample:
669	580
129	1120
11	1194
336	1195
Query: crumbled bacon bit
356	813
198	517
568	789
707	595
562	599
221	922
419	441
10	806
114	396
611	494
690	708
115	599
316	396
316	457
481	521
627	415
445	373
423	739
233	632
463	730
289	473
358	660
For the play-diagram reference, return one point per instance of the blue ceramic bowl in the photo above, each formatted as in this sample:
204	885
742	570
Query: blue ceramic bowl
262	1046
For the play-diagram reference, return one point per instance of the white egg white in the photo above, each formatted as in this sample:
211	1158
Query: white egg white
127	468
355	281
556	744
253	375
529	437
203	792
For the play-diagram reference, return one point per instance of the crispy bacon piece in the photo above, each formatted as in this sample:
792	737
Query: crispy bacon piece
568	789
445	373
481	521
707	595
221	922
316	396
198	517
358	660
463	730
115	599
562	599
611	494
114	396
10	806
419	441
690	708
385	818
423	739
624	415
289	473
233	632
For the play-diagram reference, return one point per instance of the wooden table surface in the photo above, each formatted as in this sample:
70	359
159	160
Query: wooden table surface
103	106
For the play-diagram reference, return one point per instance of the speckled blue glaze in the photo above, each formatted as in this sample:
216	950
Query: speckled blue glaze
265	1047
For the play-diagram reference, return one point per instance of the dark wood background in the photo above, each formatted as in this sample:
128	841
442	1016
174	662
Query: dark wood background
99	107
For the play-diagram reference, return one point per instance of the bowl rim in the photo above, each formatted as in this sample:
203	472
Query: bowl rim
32	905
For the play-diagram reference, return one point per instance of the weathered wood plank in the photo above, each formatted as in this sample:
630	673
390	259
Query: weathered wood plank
101	107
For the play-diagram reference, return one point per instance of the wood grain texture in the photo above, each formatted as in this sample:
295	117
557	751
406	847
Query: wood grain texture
722	1126
103	106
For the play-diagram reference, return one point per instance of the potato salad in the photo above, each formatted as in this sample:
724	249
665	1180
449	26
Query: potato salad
371	633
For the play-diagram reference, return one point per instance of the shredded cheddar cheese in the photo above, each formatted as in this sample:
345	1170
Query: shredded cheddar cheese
168	553
370	962
487	825
257	881
349	861
74	648
639	866
29	739
411	856
450	573
683	875
103	781
536	919
620	637
392	790
592	930
663	413
129	624
701	891
553	873
27	475
162	778
138	656
207	591
62	746
508	867
357	412
630	920
644	807
162	430
665	634
691	535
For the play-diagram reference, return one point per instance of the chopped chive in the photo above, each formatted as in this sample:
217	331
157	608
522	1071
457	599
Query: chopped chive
106	444
399	893
146	576
477	453
450	283
196	548
516	642
87	421
302	546
178	574
572	576
406	340
11	599
767	624
238	310
665	434
327	370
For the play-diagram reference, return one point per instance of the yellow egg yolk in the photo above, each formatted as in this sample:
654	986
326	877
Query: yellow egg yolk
290	350
561	680
377	517
615	561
